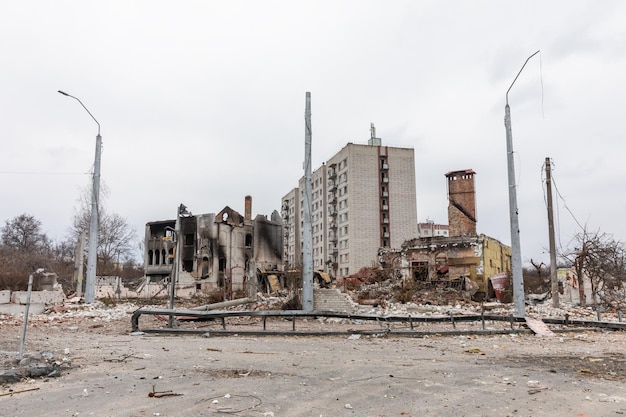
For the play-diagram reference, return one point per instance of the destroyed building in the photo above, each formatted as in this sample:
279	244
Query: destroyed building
463	255
225	251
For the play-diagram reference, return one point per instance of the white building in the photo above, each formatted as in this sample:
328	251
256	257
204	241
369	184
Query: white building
363	198
430	229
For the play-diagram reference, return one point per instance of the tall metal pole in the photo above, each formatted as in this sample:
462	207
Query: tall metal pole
80	255
176	264
553	278
25	322
92	251
516	252
307	255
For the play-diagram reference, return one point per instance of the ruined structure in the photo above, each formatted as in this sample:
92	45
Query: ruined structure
462	255
224	250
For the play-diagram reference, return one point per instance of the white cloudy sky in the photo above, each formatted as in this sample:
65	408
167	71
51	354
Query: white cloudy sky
202	103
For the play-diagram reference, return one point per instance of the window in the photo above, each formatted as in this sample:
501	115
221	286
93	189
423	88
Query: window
420	271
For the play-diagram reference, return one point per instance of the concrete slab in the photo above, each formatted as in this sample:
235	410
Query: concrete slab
45	297
5	296
18	309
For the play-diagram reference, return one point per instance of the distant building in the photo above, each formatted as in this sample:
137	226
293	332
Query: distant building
430	229
224	250
363	198
463	254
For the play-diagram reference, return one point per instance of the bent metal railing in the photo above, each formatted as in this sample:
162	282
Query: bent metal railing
384	322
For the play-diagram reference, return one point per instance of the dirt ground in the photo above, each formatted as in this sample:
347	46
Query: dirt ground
109	372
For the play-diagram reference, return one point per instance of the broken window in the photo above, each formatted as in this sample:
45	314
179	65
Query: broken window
420	270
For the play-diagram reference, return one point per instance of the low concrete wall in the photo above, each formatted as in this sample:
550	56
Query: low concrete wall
44	297
18	309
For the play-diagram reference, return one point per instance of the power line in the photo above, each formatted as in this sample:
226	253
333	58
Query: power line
566	207
42	173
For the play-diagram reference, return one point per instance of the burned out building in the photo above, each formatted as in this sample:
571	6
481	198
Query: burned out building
223	250
464	254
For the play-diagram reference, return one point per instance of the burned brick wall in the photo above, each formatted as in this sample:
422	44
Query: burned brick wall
461	203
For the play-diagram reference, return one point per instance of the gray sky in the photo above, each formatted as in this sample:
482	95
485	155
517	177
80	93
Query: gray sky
202	103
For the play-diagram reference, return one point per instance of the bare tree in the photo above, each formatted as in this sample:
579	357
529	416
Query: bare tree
25	247
600	258
116	238
23	233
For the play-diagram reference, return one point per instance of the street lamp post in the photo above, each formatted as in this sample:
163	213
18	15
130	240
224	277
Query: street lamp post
90	284
516	252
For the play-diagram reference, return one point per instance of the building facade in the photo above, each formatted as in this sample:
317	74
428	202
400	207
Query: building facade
363	198
430	229
226	250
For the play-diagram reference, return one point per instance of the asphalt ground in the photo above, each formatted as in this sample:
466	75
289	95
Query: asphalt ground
113	373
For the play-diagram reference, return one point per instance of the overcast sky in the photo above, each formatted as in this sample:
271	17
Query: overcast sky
202	103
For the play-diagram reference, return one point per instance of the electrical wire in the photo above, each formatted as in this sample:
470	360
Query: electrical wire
565	205
43	173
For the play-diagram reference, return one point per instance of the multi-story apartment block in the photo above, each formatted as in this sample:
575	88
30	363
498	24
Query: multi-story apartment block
363	199
290	210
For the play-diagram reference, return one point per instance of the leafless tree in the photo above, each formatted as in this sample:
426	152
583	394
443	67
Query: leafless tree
117	240
24	248
600	258
24	233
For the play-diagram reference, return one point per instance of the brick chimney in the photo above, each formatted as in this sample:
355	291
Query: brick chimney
461	203
248	208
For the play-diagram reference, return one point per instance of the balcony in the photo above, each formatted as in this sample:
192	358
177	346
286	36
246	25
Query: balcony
385	180
385	194
385	221
386	234
385	167
385	207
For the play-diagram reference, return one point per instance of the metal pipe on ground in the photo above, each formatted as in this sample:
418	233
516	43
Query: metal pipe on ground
223	304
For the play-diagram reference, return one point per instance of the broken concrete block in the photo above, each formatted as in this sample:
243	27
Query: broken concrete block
5	297
38	297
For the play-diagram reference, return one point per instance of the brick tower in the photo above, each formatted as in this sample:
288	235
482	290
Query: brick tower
461	203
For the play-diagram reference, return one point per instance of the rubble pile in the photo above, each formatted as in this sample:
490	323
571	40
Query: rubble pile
37	365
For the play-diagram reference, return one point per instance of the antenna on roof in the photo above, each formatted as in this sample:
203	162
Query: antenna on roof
373	141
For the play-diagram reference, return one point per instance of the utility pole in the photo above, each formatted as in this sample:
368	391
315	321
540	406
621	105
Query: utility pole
307	235
516	252
78	264
92	253
553	278
182	211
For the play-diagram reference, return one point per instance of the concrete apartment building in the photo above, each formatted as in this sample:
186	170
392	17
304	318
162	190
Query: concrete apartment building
363	199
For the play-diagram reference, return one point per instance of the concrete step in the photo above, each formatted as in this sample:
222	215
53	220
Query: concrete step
333	300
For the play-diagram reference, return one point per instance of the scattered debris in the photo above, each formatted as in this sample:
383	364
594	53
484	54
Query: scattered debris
32	366
161	394
538	327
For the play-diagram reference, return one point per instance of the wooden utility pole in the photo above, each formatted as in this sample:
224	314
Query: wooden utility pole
553	277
